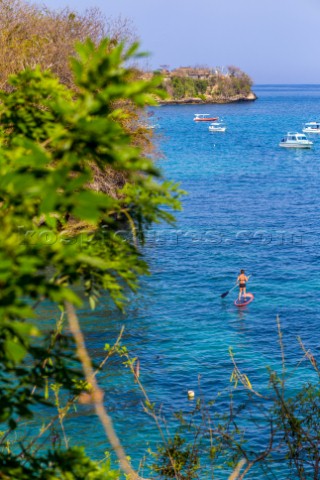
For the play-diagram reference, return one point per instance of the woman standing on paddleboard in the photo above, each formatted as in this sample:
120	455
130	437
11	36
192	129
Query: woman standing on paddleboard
242	280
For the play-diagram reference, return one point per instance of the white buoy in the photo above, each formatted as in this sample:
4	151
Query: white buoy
190	394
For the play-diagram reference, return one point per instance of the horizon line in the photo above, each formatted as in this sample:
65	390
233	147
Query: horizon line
284	84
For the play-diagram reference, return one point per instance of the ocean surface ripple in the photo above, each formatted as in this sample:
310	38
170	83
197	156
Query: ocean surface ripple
250	205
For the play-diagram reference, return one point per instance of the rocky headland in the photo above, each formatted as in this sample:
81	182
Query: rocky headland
195	85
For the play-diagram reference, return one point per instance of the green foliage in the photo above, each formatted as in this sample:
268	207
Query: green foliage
178	459
234	83
188	87
205	440
59	238
72	464
297	417
201	86
178	87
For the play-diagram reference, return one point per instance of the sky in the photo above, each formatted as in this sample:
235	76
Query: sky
274	41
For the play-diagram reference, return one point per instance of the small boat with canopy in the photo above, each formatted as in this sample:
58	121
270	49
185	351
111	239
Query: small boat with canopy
204	117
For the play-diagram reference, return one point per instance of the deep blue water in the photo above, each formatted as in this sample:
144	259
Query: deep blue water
250	205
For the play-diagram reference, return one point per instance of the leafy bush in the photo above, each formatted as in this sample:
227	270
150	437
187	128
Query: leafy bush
51	141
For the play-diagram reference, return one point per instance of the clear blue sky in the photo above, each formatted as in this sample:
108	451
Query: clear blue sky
275	41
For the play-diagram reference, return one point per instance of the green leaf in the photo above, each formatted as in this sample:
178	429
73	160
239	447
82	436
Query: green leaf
14	350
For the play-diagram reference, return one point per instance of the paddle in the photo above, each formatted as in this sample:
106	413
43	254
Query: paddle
223	295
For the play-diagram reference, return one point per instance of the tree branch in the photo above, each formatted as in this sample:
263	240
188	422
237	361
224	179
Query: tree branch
97	394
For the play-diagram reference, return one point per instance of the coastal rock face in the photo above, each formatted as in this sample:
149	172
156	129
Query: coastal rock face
251	97
174	101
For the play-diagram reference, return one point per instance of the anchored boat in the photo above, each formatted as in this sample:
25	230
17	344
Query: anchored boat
311	127
295	140
217	127
204	117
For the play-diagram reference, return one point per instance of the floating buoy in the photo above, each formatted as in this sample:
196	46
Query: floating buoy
190	394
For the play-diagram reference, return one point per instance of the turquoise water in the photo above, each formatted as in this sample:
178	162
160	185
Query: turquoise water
250	205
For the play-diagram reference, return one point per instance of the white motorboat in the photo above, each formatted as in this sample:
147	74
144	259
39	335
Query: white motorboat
311	127
295	140
217	127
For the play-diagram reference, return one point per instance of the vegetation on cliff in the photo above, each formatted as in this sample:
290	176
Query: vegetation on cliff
207	85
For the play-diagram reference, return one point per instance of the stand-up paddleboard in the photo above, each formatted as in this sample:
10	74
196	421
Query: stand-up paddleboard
244	300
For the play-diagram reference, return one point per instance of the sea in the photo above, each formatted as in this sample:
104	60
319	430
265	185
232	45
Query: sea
251	205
